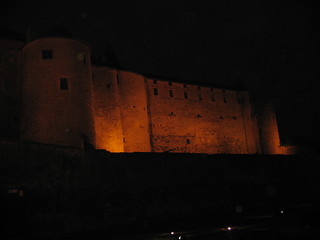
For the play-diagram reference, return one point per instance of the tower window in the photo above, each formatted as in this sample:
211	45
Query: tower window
155	91
200	97
47	54
170	83
212	97
185	95
170	93
154	81
224	99
118	79
184	85
64	84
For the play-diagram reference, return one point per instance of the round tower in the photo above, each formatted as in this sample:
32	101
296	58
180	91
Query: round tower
268	129
56	92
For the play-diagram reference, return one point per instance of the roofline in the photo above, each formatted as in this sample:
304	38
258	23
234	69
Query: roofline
190	82
57	37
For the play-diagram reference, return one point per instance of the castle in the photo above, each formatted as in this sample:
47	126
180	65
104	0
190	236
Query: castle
52	94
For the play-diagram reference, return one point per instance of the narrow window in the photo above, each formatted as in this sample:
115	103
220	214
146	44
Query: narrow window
211	89
64	84
118	79
234	118
185	85
188	141
170	93
185	95
200	97
155	91
224	99
47	54
108	85
170	83
212	97
155	81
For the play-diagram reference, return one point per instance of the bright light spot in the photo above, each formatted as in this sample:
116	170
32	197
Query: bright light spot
281	211
172	233
229	228
179	237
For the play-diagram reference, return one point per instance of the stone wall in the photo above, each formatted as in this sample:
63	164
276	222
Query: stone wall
199	119
268	129
137	114
107	110
56	93
134	112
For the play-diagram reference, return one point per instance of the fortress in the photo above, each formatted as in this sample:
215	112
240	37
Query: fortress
51	93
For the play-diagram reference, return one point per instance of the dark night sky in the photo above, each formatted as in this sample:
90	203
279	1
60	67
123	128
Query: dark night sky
271	47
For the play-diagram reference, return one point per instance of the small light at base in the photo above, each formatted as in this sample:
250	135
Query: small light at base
281	211
172	233
229	228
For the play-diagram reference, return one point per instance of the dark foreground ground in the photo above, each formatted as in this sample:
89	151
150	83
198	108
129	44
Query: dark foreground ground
48	192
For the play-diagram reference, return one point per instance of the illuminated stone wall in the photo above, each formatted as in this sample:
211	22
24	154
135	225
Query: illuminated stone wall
65	101
198	119
268	129
121	116
56	93
137	114
108	124
134	112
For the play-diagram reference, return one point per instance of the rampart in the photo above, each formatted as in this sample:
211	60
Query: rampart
52	94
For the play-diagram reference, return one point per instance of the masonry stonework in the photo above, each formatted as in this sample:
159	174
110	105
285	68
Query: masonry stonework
56	92
66	101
